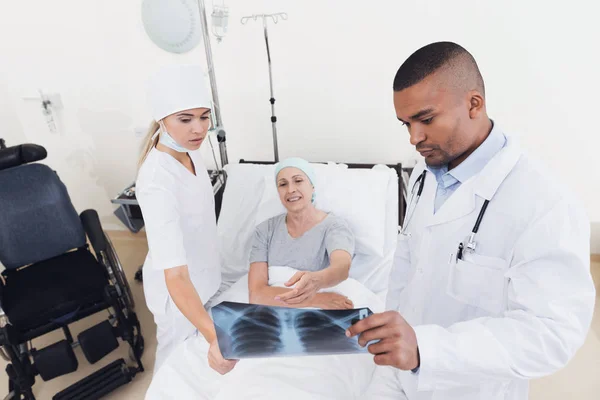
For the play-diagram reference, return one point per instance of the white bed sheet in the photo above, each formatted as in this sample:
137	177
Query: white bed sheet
186	374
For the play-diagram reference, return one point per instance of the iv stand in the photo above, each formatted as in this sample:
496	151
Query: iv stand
275	18
213	84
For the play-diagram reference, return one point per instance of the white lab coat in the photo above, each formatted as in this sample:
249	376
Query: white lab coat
179	215
516	309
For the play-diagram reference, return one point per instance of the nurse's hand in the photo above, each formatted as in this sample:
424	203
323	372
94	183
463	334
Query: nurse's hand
397	344
307	285
216	360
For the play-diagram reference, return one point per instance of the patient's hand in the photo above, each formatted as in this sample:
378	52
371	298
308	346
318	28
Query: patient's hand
216	360
307	285
332	301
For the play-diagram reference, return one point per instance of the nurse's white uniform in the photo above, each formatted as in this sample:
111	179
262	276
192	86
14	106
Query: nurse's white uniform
179	215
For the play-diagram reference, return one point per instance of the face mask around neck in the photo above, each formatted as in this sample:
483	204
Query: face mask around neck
166	140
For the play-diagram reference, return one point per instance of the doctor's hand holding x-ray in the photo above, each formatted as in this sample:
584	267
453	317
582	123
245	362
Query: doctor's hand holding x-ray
397	343
491	284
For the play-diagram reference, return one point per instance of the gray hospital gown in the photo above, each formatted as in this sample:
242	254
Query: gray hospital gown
310	252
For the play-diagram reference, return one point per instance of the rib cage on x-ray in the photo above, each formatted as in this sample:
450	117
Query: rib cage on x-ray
314	326
246	330
258	329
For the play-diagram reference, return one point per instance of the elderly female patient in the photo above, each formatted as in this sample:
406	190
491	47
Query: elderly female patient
318	244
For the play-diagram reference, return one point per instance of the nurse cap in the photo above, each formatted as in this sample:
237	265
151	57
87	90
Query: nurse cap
176	88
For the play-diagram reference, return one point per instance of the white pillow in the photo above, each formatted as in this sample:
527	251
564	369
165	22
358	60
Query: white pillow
235	227
357	195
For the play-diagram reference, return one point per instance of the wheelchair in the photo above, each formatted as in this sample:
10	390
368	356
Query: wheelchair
52	278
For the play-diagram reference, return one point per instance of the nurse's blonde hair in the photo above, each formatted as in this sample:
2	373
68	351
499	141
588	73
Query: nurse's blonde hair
149	143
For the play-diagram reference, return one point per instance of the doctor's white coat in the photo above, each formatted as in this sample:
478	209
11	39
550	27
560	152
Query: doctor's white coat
518	307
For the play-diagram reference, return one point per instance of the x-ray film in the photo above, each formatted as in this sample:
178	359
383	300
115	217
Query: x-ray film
251	331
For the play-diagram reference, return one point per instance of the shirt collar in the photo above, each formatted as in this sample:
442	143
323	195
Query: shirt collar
474	163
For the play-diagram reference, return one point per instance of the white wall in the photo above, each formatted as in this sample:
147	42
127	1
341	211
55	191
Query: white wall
333	63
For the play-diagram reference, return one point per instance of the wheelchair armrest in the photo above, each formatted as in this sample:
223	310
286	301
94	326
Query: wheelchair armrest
93	229
21	154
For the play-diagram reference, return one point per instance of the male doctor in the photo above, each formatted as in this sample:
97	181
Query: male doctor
491	284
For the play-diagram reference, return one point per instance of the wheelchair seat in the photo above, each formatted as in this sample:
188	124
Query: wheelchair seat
52	291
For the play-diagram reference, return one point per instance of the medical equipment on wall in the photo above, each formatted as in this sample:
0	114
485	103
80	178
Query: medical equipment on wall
412	205
275	18
50	103
48	111
176	27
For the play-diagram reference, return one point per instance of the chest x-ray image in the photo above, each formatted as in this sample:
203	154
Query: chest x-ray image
252	331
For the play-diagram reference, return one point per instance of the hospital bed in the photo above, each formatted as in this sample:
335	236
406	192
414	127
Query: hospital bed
368	198
129	212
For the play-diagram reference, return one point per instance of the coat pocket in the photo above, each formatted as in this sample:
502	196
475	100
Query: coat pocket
479	281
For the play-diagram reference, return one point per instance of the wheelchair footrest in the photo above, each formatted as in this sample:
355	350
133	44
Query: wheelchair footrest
55	360
98	384
97	341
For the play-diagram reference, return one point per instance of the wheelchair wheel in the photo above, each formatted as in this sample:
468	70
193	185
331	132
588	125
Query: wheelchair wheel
14	396
139	347
3	355
119	274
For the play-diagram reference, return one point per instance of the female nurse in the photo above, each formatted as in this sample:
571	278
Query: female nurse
182	268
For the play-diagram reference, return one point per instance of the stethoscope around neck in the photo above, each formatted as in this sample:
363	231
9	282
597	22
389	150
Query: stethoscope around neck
412	205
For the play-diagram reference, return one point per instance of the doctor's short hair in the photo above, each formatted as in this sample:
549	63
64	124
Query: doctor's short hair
429	59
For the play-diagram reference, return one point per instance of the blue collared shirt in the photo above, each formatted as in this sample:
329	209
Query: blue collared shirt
449	181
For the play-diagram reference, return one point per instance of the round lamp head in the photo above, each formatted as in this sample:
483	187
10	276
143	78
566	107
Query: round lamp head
173	25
